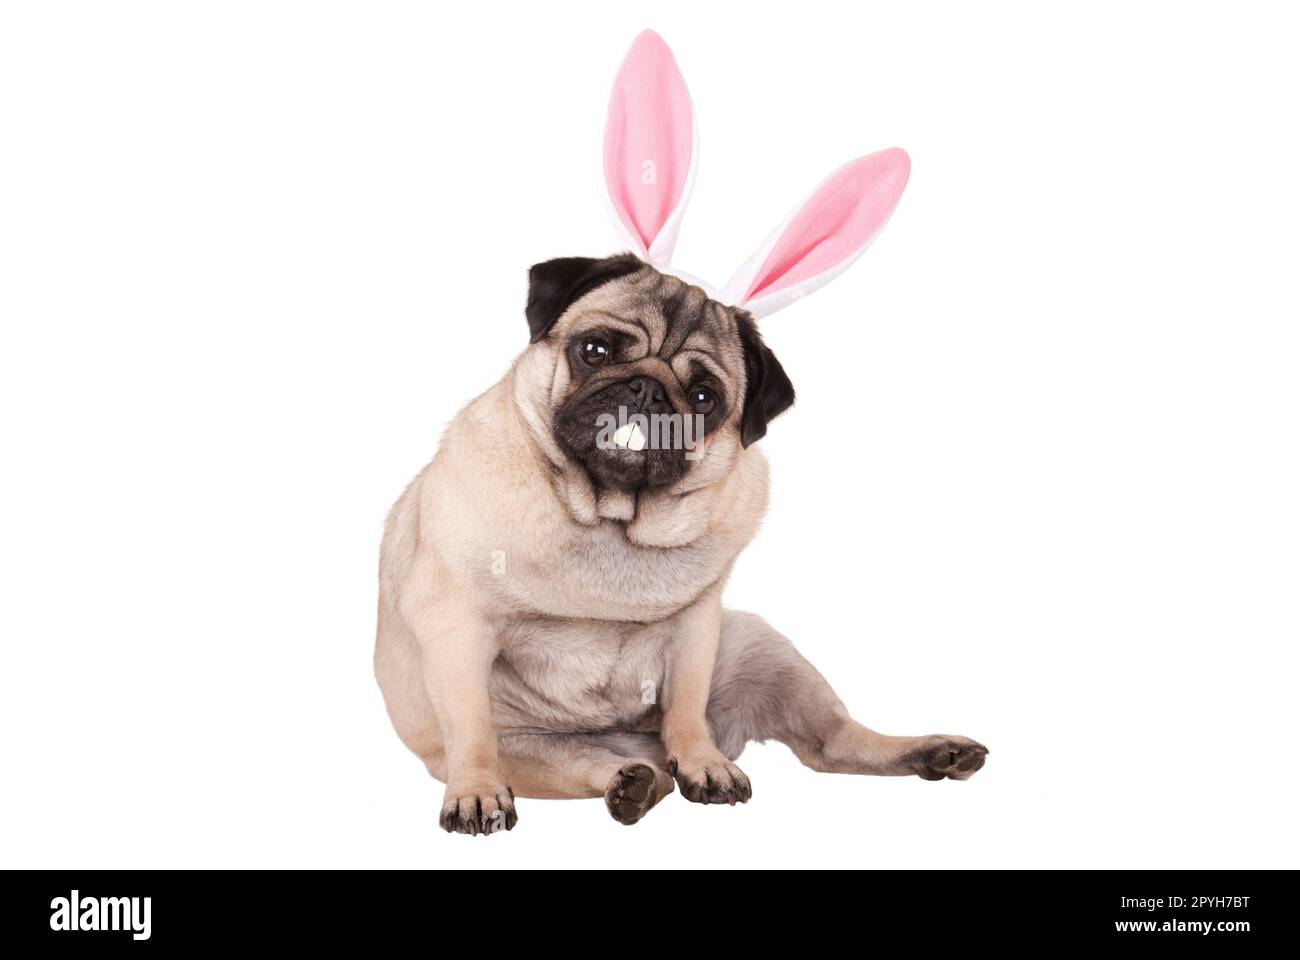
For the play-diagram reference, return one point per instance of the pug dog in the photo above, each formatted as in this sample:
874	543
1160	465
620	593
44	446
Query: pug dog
550	603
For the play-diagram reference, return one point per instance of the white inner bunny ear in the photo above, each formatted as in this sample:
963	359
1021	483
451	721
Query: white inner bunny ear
823	236
650	148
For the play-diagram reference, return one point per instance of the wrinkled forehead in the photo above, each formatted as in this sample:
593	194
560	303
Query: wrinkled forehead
658	315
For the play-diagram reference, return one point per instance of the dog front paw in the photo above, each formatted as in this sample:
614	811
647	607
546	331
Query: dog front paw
945	757
710	778
481	809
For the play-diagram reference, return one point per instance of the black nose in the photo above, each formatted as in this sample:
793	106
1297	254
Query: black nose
647	395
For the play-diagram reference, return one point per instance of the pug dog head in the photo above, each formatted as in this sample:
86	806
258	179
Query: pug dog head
615	338
619	336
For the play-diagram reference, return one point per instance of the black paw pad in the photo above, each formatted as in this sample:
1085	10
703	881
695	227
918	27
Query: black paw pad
947	759
631	793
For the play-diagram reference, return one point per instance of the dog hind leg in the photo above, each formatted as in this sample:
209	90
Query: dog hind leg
764	689
628	769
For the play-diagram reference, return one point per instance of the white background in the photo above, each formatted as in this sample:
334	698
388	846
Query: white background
1040	487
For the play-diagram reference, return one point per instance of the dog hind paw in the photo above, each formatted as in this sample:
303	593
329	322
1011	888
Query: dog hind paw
633	791
945	757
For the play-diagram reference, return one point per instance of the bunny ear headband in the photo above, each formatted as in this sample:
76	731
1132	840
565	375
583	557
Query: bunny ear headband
651	144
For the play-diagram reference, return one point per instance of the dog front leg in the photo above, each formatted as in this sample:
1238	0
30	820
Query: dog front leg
703	774
458	650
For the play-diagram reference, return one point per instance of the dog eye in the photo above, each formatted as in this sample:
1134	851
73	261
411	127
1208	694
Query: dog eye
595	352
702	400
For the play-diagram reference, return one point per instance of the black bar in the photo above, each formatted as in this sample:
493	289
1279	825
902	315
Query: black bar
1225	911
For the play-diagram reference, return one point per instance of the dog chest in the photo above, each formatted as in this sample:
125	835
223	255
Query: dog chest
595	573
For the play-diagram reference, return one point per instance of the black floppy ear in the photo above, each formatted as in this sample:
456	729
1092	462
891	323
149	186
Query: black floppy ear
555	284
768	391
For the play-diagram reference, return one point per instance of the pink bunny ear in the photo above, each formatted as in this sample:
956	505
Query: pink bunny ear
823	236
650	146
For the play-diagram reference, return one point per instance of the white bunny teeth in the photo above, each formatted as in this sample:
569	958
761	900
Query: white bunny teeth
629	437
